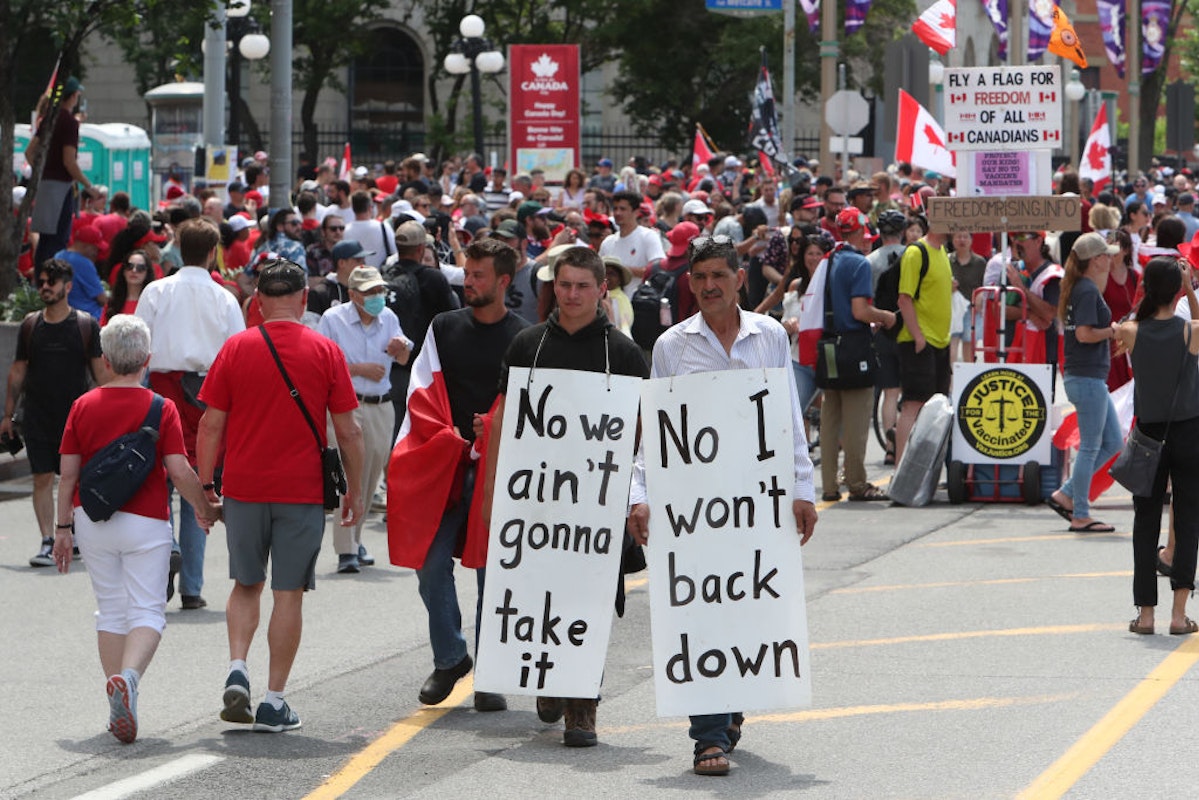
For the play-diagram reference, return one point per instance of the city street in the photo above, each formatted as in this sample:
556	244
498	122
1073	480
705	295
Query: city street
957	652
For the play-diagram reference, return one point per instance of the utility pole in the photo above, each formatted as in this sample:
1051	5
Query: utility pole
789	77
830	51
1132	63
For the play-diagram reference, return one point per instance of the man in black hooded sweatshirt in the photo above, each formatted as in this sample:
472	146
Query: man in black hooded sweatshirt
578	335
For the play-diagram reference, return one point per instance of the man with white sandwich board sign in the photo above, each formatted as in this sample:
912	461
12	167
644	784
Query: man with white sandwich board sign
557	498
723	482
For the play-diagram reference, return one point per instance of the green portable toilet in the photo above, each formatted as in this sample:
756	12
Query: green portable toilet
115	154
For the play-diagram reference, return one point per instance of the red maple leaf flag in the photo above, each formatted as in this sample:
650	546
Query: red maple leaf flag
345	170
700	152
1097	160
919	140
937	26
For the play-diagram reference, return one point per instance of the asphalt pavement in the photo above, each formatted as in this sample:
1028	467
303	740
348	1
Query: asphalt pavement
974	651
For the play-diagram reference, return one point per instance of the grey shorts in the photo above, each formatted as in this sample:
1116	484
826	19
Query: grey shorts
287	534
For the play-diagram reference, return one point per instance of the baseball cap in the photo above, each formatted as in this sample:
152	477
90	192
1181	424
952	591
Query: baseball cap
850	220
1092	244
236	186
360	172
604	162
527	209
309	186
280	277
71	86
256	196
1186	199
352	248
732	161
410	234
812	201
508	229
363	279
680	236
697	207
655	180
238	223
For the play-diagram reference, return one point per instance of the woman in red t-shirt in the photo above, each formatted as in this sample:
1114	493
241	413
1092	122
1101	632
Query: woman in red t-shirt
128	556
136	271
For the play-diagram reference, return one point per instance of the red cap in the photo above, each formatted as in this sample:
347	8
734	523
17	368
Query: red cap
256	196
680	236
850	220
174	191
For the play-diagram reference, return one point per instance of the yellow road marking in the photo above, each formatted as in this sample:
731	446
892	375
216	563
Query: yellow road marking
819	714
1051	630
989	582
1014	539
1095	743
393	739
823	504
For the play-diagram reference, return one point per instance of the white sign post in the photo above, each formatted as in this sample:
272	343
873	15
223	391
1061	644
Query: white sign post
729	621
557	531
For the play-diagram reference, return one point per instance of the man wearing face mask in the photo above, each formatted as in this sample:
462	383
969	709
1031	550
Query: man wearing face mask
369	334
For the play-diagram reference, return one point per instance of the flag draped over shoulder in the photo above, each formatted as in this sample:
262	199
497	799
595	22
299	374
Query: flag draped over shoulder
1096	161
763	126
919	140
425	472
937	26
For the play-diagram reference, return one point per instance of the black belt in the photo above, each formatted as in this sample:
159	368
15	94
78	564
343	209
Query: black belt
374	399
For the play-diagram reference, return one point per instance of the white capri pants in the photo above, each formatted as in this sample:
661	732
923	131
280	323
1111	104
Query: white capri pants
128	558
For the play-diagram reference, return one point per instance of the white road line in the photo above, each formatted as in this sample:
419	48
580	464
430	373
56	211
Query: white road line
158	776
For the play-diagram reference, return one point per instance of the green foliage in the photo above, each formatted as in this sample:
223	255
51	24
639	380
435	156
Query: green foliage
164	44
21	301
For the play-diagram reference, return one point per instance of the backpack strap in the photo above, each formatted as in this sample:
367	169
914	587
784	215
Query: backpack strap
26	332
828	293
153	419
923	266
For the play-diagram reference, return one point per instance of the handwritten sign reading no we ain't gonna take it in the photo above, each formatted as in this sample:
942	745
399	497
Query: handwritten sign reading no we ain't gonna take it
726	574
557	531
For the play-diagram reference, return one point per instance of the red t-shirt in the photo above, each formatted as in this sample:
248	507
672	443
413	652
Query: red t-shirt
102	415
271	455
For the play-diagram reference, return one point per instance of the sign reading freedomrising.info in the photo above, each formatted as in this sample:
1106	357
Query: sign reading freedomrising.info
1003	108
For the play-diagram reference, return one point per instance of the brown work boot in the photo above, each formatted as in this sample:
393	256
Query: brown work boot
580	723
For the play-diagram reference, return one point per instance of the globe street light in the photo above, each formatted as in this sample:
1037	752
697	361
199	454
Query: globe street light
1074	92
474	54
245	42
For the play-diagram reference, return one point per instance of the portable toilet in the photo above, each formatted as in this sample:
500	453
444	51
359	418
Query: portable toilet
115	154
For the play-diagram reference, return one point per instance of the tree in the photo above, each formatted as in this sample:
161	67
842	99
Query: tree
68	22
1153	85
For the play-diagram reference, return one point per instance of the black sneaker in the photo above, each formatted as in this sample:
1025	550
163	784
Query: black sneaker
365	558
191	602
176	565
490	701
269	719
237	698
45	556
439	685
347	564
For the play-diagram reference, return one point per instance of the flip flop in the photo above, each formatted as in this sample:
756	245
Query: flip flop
1163	568
1059	509
1094	526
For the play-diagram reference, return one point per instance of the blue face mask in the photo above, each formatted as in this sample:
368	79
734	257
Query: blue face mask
374	304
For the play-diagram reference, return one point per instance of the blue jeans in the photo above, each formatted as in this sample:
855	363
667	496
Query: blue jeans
710	729
805	383
191	544
1099	436
437	589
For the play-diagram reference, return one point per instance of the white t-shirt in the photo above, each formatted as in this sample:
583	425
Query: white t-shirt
370	234
639	249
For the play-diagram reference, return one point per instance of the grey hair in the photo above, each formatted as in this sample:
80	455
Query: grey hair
125	341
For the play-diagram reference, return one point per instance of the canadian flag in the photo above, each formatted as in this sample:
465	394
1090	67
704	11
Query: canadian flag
346	170
1096	155
920	141
937	26
700	152
424	472
811	316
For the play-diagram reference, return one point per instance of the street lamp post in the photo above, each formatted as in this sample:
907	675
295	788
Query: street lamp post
245	42
474	54
1075	91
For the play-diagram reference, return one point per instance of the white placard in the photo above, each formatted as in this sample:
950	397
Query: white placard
1003	108
730	629
1001	413
557	531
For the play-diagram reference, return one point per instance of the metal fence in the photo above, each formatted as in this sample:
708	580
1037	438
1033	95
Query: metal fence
379	145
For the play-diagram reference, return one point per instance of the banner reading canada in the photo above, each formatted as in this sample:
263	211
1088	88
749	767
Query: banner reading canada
543	125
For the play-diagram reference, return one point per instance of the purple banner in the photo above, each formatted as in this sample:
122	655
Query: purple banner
855	14
997	13
1155	21
1111	22
811	9
1040	26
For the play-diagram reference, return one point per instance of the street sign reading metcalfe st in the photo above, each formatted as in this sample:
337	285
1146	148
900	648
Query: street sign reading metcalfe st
1003	108
1012	213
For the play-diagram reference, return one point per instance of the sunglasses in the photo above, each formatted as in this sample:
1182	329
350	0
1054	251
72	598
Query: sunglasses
48	281
291	222
335	227
1022	237
136	267
795	240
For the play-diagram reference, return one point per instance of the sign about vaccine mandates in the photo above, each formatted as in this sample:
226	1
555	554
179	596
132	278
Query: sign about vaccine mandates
1003	108
557	531
729	621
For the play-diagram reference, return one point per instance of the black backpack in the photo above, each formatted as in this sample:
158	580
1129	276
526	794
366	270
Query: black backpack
403	296
886	293
114	474
647	305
